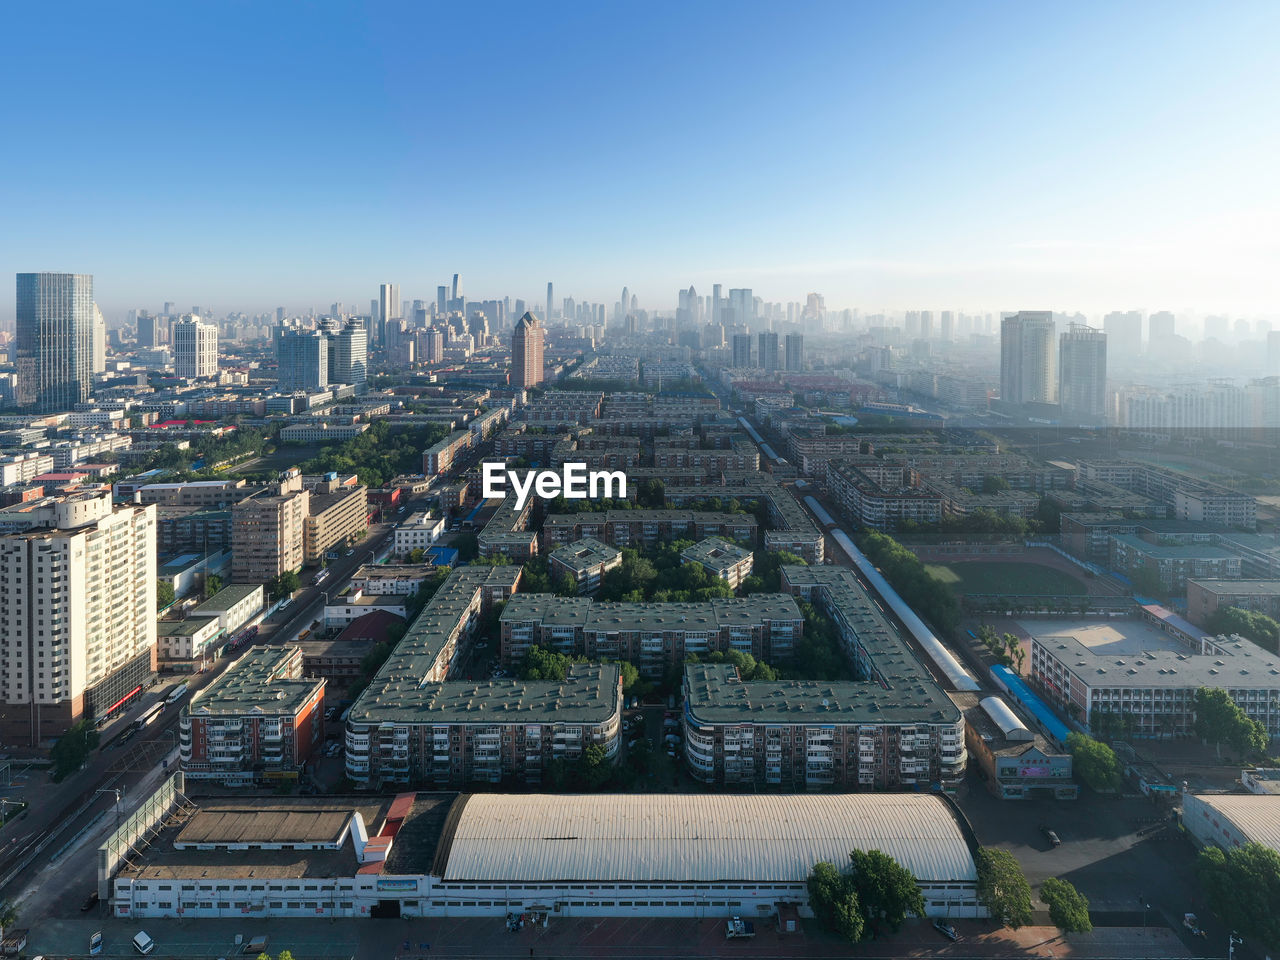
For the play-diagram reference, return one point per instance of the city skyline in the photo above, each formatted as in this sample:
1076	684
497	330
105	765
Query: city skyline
1003	158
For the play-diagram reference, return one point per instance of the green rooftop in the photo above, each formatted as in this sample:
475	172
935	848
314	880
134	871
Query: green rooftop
589	694
256	683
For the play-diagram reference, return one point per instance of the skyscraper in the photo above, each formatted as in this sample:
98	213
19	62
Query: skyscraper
99	362
77	644
742	349
526	353
715	303
442	295
550	301
1027	369
457	288
195	348
743	304
302	358
348	360
1124	333
1082	378
388	310
54	340
768	352
1160	326
795	351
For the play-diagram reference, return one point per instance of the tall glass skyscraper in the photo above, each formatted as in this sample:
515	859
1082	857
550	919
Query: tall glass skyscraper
55	340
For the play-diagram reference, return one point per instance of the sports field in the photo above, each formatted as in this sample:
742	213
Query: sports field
1002	576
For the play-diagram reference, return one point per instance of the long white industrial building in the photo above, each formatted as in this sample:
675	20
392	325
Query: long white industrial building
447	854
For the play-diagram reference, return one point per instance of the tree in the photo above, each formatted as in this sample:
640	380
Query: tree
212	584
416	555
73	748
543	663
1068	909
1094	762
1003	888
1219	720
284	585
886	889
834	901
164	594
1243	887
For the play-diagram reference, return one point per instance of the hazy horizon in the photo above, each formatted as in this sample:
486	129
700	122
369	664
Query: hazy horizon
1095	158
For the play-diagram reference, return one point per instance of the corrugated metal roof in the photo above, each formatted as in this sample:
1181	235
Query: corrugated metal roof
541	838
1255	816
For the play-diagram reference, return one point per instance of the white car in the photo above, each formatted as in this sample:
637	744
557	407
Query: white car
143	943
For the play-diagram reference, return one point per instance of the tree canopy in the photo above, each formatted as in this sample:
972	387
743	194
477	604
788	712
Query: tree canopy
377	455
1250	624
1219	720
1003	888
875	889
1094	762
73	748
1068	908
886	890
164	594
834	901
923	592
1243	887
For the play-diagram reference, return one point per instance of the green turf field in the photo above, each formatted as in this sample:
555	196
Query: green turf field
998	576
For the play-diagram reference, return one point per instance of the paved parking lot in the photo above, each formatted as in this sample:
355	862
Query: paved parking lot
1102	854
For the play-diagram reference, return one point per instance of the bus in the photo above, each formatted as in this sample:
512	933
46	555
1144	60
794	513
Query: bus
321	577
175	694
149	716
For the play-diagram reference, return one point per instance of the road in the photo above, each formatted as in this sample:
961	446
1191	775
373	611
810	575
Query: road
30	842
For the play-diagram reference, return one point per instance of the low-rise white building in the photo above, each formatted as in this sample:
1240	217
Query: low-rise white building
417	532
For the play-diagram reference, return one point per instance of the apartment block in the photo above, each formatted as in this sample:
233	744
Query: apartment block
487	732
652	635
440	457
1172	563
625	528
337	515
586	561
260	721
196	493
802	735
721	559
882	504
909	731
77	611
1206	597
267	531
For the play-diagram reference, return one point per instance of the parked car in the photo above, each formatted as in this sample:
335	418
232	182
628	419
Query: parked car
90	902
1049	835
947	930
143	943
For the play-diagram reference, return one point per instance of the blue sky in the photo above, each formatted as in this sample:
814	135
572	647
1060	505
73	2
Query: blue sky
966	156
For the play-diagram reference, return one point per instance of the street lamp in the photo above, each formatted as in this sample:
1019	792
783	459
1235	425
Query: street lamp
1232	942
118	792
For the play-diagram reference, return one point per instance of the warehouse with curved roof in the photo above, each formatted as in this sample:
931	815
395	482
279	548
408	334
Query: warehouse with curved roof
590	855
